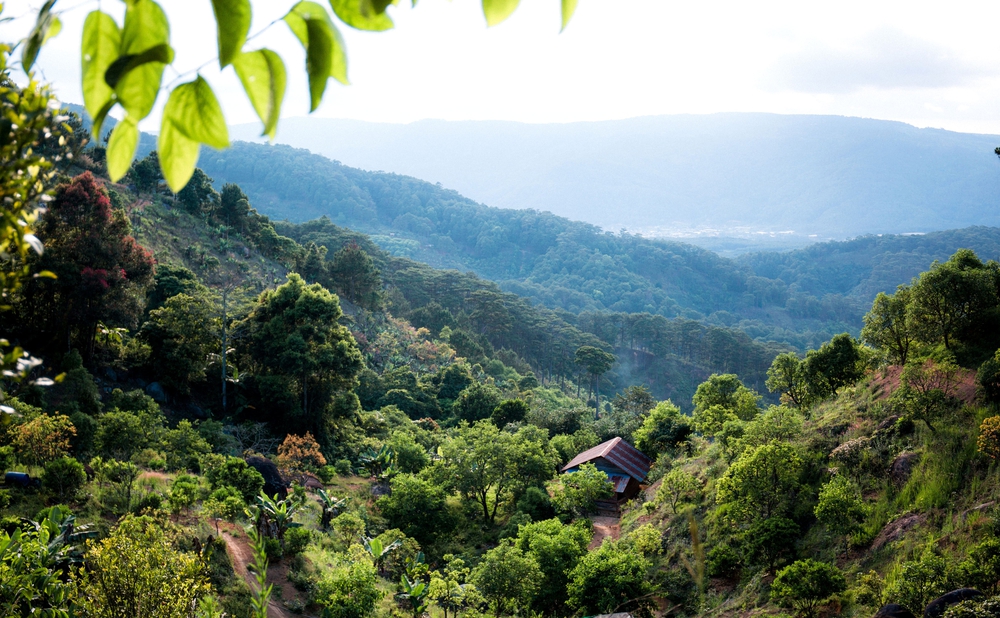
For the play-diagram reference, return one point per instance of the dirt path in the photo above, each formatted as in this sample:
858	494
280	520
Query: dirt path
241	555
604	527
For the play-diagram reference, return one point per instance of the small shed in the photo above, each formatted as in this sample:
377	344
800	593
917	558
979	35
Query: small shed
625	466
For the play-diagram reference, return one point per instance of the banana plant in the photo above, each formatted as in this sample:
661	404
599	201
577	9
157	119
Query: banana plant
379	551
272	517
379	464
331	507
416	593
61	537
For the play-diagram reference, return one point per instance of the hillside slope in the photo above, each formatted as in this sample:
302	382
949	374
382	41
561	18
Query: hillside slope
832	176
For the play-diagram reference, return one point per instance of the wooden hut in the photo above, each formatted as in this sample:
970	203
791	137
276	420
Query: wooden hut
625	466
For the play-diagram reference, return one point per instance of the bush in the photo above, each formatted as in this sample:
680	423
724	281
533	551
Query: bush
805	584
296	541
273	549
233	472
343	467
975	608
5	498
326	473
722	561
64	477
152	501
536	504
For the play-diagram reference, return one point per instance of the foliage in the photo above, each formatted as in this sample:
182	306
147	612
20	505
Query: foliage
294	345
576	493
121	477
181	333
769	540
91	251
836	364
348	590
509	411
557	548
43	439
477	402
840	507
610	579
490	466
355	276
889	325
760	482
918	582
678	486
806	584
954	302
981	569
416	507
64	477
183	493
989	437
184	446
137	570
508	578
31	565
258	567
787	377
300	453
233	472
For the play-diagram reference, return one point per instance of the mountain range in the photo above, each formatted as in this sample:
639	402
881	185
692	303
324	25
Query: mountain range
770	180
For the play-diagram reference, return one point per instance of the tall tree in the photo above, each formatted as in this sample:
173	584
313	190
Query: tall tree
596	362
353	272
102	273
889	325
955	302
294	346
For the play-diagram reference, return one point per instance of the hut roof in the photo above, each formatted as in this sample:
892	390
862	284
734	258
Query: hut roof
618	452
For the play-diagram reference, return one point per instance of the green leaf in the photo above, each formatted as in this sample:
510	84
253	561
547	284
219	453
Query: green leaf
232	18
568	8
263	76
121	147
145	27
192	116
101	42
47	25
363	14
121	67
498	10
178	154
325	55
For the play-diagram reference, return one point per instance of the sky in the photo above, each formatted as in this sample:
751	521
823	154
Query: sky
930	64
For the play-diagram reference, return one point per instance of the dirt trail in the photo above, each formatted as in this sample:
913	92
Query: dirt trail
241	555
604	527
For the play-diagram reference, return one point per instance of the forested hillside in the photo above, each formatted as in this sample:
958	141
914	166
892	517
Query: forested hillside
204	413
724	174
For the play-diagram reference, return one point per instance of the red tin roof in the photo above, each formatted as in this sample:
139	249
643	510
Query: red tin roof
619	453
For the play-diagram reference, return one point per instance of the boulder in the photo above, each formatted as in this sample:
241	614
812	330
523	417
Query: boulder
897	529
887	423
937	607
155	390
894	611
902	467
273	483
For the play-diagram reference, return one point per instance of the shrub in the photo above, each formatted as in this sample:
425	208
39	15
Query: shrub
806	584
989	437
296	541
343	467
300	453
348	590
326	473
982	568
64	477
722	561
233	472
43	439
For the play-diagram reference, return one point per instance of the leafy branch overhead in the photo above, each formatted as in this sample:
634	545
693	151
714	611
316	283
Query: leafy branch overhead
123	66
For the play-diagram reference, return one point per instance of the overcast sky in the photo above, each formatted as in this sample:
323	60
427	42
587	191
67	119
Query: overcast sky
929	64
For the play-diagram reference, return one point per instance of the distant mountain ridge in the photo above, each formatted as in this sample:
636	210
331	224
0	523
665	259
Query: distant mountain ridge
833	177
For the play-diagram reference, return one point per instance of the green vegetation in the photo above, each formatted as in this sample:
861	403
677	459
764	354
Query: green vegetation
199	368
